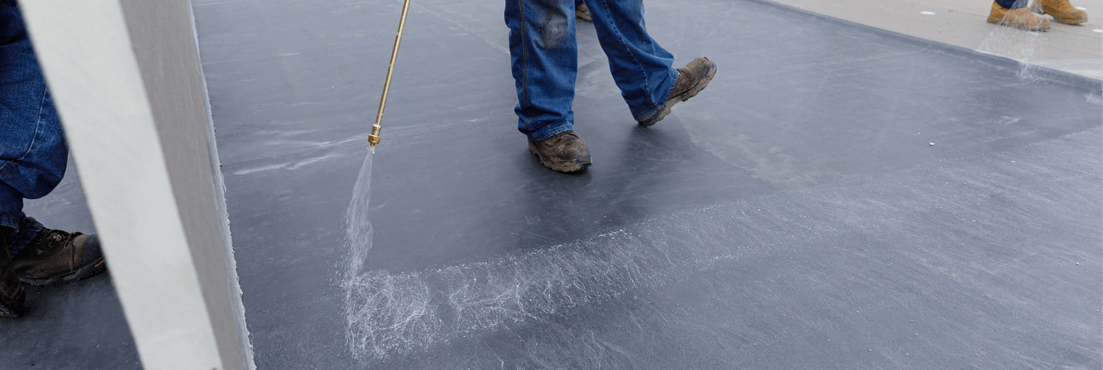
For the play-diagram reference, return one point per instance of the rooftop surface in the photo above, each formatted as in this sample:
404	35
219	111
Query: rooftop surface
841	196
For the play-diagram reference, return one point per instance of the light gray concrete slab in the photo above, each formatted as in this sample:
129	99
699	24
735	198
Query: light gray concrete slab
1077	49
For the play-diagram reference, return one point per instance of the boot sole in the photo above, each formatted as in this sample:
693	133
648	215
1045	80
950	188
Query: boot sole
83	272
17	309
665	110
1073	21
1068	21
1000	22
564	168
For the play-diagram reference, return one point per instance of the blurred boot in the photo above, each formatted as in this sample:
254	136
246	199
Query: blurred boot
57	257
12	296
1061	11
1020	18
582	12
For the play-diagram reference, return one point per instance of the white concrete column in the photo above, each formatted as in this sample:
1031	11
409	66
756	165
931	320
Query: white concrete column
126	79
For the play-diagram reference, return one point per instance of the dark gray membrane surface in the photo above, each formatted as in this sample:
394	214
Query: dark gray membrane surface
792	215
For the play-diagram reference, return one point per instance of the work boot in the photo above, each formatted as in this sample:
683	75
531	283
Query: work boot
691	80
582	12
12	296
1020	18
57	257
562	153
1061	11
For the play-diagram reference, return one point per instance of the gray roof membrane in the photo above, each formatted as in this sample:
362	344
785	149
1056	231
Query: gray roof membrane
838	197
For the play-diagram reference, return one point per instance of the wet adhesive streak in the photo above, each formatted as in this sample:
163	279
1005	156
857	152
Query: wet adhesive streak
391	315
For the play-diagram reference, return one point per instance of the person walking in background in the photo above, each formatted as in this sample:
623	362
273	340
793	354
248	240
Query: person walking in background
581	11
1016	13
33	157
544	56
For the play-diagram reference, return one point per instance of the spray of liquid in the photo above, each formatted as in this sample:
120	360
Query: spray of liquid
1016	44
368	303
358	229
358	241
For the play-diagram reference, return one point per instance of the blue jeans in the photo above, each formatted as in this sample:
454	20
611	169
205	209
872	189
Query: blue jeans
33	153
544	55
1012	4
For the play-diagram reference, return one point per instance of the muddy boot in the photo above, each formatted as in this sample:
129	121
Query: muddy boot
582	12
56	257
562	153
12	296
691	80
1061	11
1020	18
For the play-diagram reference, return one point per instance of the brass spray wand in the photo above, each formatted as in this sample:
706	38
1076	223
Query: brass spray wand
373	139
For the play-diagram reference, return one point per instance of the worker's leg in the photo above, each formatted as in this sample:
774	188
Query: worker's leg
33	153
544	57
641	68
1012	4
33	156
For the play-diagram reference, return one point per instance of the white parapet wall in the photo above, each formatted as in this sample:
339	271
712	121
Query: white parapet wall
126	79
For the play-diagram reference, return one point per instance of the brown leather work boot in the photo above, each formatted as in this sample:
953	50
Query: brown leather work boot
1020	18
56	257
562	153
582	12
12	296
691	80
1061	10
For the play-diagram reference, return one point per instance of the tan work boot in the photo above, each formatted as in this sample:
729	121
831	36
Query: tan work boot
56	257
1061	11
582	12
1020	18
691	80
562	153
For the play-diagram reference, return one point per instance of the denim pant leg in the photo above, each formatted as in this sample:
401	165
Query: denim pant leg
544	57
1012	4
33	153
641	68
